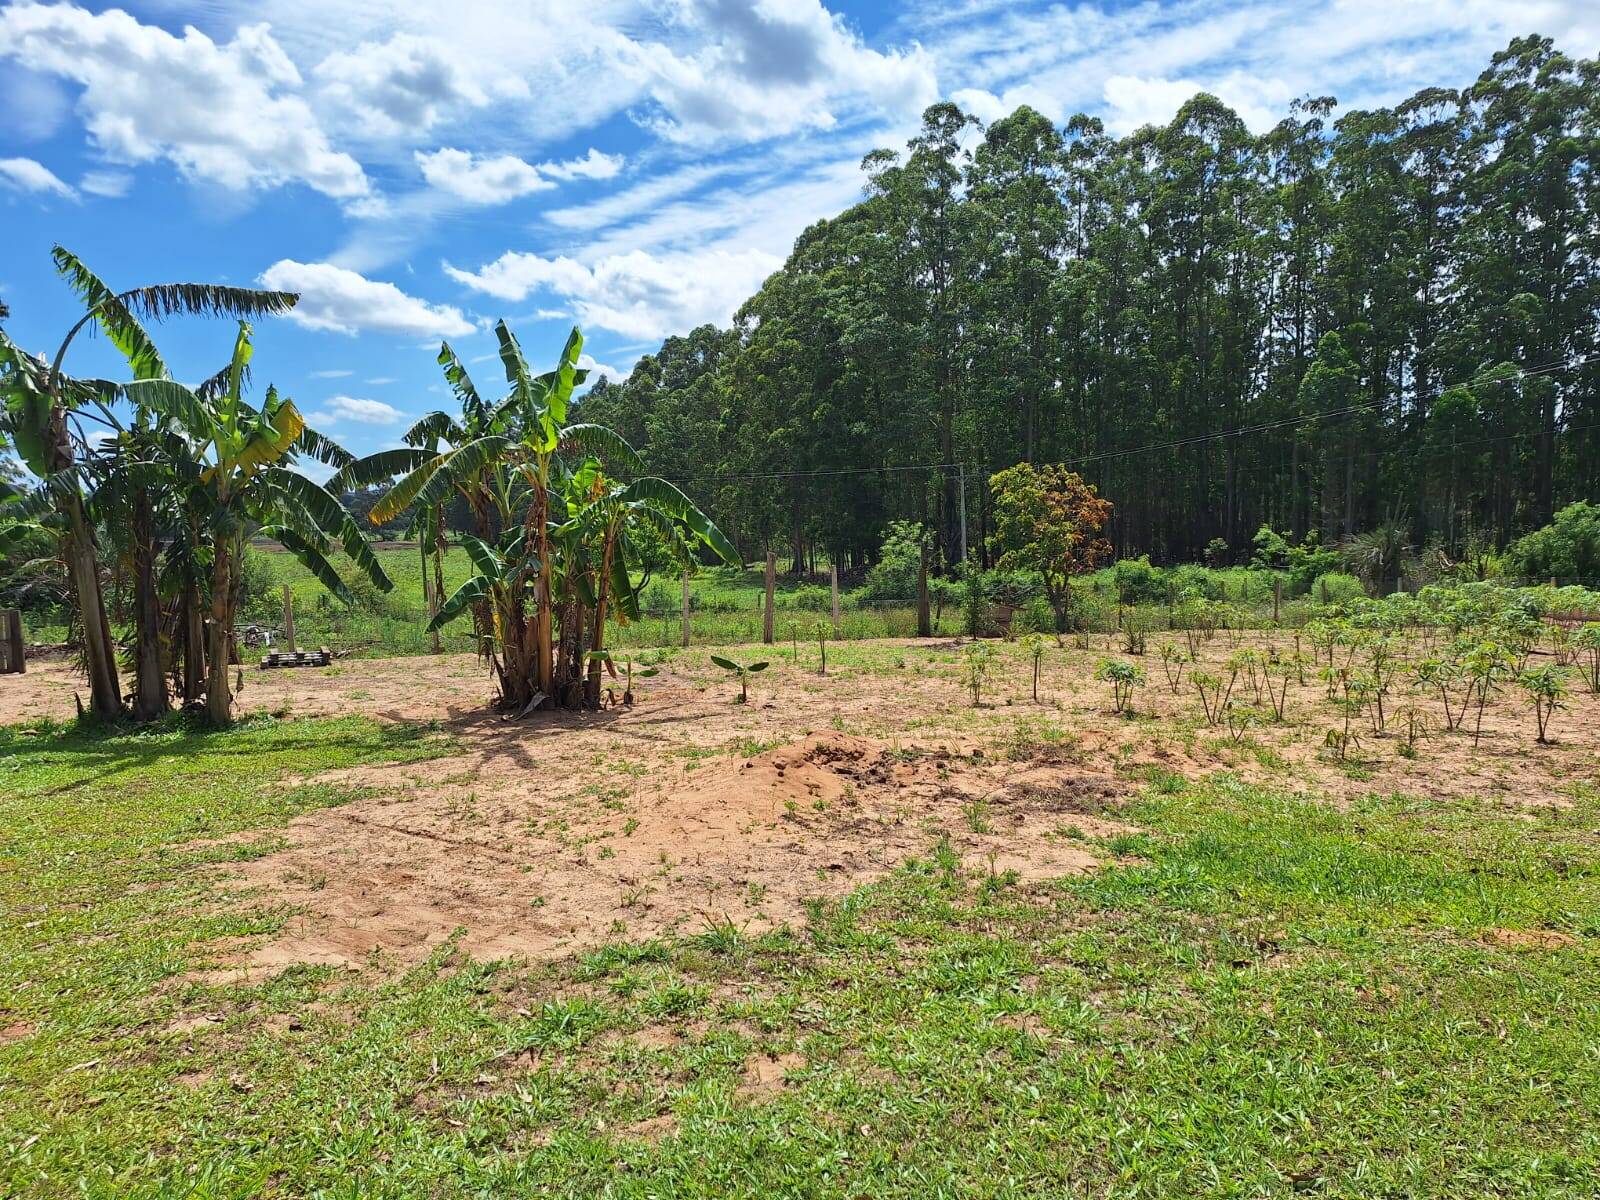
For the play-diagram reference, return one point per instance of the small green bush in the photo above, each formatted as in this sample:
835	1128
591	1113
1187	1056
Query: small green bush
1138	582
1335	587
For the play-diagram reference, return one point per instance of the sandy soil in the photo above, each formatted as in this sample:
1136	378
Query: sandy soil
561	832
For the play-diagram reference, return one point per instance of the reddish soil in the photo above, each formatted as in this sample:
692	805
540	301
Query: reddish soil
558	833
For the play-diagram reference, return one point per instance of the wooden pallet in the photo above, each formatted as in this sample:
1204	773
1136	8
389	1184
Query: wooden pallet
322	657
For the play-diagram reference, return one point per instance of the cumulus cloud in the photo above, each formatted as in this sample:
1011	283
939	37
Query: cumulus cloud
26	175
345	301
227	113
480	180
338	409
593	165
597	369
403	85
1134	100
637	294
485	180
770	68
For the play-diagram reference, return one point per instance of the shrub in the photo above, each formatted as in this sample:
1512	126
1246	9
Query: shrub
894	575
1195	580
1337	588
808	598
260	594
1568	548
1138	582
1275	551
1035	616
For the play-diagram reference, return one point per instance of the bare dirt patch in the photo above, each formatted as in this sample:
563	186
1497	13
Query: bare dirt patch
464	843
552	835
1529	939
765	1075
651	1129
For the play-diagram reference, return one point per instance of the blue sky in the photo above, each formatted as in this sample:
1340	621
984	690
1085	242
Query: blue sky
633	166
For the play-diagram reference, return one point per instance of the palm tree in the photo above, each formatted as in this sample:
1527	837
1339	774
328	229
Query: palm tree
1377	556
233	473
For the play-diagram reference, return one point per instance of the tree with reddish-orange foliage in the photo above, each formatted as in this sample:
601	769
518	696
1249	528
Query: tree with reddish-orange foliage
1047	519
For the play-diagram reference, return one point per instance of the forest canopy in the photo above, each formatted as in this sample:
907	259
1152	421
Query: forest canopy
1395	309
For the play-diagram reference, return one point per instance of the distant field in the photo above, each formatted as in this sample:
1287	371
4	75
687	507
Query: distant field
726	607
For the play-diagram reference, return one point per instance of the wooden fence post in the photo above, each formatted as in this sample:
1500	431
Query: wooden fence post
834	572
772	584
924	625
16	654
288	617
686	608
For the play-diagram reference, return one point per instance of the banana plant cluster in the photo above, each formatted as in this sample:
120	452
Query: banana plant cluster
557	530
175	482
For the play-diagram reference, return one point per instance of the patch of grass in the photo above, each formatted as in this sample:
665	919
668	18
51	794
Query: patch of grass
1277	997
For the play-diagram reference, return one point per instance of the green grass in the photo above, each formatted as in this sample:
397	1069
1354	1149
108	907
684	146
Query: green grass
725	609
1271	997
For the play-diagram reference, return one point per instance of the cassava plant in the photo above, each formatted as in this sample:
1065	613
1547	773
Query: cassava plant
1586	647
1123	678
1547	689
1486	663
1173	663
1036	644
1215	693
976	668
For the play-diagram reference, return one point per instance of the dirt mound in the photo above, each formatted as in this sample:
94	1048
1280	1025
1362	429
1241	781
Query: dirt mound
742	840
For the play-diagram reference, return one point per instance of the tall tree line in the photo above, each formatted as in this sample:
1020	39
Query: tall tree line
1396	305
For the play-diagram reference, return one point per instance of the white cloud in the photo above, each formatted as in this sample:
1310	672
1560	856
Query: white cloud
401	86
593	165
381	380
225	113
352	408
1135	101
344	301
770	68
637	294
642	197
333	374
596	369
481	180
484	180
26	175
110	184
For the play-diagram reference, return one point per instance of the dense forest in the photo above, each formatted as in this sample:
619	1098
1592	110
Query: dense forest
1376	319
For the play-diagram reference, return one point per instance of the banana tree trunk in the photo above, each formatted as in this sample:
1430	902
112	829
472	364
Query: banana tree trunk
194	645
597	644
219	700
83	565
150	698
543	625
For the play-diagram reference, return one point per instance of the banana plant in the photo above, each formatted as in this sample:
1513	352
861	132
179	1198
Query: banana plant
527	473
236	472
606	513
743	671
44	408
